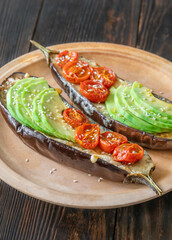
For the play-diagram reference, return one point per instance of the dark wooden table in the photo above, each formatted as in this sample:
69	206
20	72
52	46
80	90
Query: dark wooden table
145	24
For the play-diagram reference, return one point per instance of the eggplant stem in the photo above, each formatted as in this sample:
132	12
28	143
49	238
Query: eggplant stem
145	179
45	51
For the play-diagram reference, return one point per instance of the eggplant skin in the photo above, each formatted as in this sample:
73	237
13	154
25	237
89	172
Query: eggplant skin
142	138
61	152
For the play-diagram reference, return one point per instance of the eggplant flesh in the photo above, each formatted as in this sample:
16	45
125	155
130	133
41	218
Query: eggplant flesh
72	155
99	115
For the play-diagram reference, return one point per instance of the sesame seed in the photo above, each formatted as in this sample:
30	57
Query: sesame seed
89	175
51	172
100	179
75	181
27	159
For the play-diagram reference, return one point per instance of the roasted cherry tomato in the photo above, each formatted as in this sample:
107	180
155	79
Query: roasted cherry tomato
74	117
66	56
77	71
128	153
105	75
110	140
94	91
87	135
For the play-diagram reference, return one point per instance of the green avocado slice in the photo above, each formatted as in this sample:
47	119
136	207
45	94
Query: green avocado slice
27	97
21	110
11	98
36	115
148	116
144	97
49	114
123	110
112	109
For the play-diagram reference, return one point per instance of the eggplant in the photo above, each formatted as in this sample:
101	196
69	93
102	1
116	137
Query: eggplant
152	141
73	155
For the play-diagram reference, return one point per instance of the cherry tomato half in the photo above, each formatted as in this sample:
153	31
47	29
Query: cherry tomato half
94	91
110	140
105	75
128	153
77	71
65	57
87	135
74	117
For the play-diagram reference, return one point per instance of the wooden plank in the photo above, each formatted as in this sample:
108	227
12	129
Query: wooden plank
151	220
155	29
105	21
28	218
17	23
66	21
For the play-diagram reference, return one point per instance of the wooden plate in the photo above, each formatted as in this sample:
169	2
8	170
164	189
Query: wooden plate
34	178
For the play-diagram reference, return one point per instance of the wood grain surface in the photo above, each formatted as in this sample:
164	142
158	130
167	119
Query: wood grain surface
145	24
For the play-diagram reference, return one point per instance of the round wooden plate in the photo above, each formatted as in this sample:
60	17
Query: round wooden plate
33	177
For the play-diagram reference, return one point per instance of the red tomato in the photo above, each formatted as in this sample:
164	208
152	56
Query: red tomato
74	117
65	57
77	71
128	153
87	135
105	75
110	140
94	91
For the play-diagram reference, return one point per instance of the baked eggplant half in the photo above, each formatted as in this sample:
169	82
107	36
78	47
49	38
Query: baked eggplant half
158	134
60	146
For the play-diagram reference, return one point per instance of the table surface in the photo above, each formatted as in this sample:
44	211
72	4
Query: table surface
145	24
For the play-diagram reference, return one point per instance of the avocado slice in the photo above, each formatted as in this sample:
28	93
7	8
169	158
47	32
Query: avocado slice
27	97
112	109
122	108
11	98
144	97
36	115
21	111
48	112
141	113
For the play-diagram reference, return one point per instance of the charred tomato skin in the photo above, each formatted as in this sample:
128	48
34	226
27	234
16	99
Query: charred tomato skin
128	153
94	91
110	140
87	135
74	117
105	75
77	71
65	56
